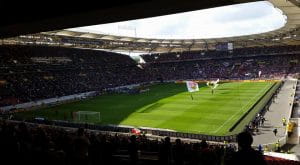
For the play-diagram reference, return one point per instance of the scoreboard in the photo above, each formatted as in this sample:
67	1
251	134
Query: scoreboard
227	46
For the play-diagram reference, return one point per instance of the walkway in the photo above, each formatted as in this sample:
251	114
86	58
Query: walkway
281	108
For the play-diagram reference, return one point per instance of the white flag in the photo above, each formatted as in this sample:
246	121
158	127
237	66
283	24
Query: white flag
259	73
213	84
192	86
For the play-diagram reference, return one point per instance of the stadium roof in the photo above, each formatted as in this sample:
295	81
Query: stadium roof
28	17
287	35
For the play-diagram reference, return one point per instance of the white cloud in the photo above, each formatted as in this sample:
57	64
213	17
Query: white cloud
235	20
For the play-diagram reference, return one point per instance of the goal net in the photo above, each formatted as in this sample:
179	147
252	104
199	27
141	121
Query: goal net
87	116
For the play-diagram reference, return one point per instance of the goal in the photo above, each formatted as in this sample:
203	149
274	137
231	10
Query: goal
87	116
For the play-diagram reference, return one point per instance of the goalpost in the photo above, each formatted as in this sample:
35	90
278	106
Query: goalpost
87	116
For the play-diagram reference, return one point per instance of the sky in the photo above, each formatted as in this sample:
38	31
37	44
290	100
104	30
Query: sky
227	21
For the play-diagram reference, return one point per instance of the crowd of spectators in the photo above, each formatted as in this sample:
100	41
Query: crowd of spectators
270	67
215	54
40	144
30	73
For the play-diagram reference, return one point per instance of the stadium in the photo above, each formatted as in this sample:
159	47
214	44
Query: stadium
79	97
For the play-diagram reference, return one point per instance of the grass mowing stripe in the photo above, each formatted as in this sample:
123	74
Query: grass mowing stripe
241	110
165	106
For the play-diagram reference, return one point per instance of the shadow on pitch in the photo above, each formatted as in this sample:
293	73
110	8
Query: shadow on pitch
113	108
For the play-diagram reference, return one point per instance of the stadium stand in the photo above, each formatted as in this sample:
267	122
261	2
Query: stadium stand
235	68
241	64
28	73
215	54
31	73
35	144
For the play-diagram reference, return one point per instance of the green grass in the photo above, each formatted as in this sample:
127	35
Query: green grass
170	106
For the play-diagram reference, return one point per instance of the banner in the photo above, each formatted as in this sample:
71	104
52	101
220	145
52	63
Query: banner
192	86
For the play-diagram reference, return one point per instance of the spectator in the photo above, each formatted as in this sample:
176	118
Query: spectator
133	150
80	148
246	155
178	152
165	152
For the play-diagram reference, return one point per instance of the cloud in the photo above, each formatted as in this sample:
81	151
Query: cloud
235	20
242	12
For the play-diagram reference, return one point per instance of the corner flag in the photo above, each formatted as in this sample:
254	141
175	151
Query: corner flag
192	86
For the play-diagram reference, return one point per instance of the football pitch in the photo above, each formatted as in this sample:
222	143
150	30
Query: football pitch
169	106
